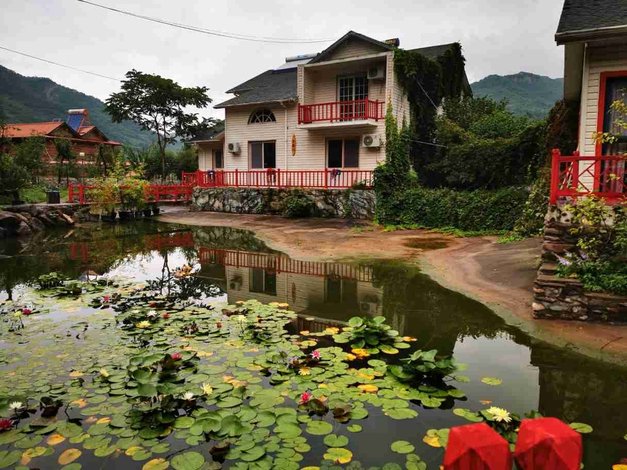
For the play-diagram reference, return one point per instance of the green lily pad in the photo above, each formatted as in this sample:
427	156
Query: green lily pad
188	461
581	428
319	428
184	422
333	440
491	381
402	447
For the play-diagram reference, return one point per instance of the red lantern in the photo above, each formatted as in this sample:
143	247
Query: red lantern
548	443
476	447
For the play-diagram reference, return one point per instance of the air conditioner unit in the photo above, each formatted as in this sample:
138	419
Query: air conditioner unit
371	141
234	148
376	73
368	308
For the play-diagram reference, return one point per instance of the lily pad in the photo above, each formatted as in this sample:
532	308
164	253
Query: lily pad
319	428
402	447
333	440
338	455
188	461
581	428
491	381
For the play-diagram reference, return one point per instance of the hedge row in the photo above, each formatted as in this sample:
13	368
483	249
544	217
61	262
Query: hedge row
477	210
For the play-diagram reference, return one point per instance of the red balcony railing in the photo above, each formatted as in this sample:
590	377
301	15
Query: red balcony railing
578	176
329	178
341	111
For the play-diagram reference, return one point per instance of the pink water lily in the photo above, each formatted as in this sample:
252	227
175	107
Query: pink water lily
176	356
305	397
106	299
165	316
27	311
315	355
5	424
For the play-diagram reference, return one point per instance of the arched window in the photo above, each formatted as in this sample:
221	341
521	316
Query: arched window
261	116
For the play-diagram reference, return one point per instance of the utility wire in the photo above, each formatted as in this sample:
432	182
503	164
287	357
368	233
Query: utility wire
210	32
58	64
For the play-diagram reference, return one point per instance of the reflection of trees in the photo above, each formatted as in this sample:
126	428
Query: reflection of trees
227	238
417	306
576	388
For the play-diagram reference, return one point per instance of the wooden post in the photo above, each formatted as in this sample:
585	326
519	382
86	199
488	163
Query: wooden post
236	177
555	175
70	193
81	194
326	178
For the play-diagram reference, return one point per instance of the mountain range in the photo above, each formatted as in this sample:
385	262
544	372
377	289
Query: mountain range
527	94
35	99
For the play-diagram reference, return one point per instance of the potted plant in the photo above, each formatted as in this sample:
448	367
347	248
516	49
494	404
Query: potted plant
105	195
132	196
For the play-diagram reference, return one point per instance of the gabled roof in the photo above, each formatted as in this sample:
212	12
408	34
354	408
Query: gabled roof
34	129
433	52
350	35
214	133
584	19
270	86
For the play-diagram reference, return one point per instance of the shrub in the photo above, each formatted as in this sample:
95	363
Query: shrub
297	204
480	210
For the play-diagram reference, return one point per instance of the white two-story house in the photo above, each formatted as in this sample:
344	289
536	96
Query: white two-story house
316	112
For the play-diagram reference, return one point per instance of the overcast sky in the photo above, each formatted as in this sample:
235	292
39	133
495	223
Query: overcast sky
498	36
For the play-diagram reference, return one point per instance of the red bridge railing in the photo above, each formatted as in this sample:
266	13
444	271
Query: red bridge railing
339	111
578	176
329	178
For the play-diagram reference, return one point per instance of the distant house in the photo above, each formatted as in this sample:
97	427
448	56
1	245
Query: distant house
594	33
86	140
317	112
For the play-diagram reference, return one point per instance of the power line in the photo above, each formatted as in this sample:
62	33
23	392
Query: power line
211	32
58	64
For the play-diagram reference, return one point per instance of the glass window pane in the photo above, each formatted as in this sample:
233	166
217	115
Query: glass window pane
256	280
334	154
219	159
270	283
256	155
269	155
351	153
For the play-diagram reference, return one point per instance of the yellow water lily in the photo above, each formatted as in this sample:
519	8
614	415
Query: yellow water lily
143	324
304	371
499	414
360	353
104	373
206	389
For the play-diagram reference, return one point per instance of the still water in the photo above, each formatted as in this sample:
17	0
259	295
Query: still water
232	265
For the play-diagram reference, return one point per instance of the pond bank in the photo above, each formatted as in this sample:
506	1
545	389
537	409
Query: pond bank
500	276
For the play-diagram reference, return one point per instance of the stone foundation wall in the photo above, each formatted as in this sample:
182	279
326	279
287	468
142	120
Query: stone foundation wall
565	298
340	203
27	219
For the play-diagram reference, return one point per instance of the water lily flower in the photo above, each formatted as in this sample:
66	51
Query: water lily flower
5	424
106	299
305	397
104	373
188	396
304	371
500	415
207	389
165	316
315	355
16	405
176	356
219	324
27	311
143	324
152	314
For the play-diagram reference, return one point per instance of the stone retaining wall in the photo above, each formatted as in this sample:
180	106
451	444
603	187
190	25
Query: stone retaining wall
340	203
24	220
565	298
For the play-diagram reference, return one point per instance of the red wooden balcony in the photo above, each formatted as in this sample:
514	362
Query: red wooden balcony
329	178
578	176
341	111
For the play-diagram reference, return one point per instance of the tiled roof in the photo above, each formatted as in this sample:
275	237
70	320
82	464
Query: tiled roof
17	131
586	15
433	52
269	87
350	35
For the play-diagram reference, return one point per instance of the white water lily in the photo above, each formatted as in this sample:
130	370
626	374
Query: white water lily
499	414
104	373
16	405
152	314
188	396
207	389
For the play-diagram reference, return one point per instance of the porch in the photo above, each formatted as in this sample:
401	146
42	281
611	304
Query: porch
577	176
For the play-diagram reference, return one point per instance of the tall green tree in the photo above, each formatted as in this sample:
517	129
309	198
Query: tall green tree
159	105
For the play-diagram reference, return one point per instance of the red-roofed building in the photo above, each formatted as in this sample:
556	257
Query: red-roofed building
86	140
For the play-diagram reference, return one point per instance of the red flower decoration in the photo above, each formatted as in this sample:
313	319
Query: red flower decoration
27	311
176	356
165	316
315	355
305	397
5	424
106	299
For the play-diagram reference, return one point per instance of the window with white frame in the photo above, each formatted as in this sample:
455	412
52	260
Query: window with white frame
261	116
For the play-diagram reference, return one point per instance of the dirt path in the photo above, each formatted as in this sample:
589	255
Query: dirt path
500	276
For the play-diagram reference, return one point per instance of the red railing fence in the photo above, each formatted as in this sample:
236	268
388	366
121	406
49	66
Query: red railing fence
329	178
576	176
338	111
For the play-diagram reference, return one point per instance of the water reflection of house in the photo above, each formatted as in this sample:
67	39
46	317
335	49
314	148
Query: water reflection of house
334	291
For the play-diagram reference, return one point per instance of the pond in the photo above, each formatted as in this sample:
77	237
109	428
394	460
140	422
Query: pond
155	352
